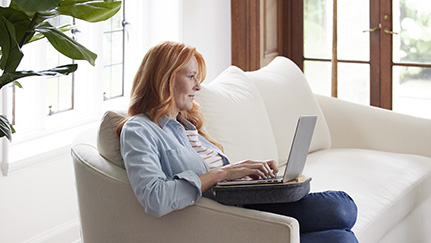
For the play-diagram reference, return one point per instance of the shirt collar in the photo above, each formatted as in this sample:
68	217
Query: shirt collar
163	121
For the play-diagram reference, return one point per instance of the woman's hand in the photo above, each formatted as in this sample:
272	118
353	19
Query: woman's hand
253	169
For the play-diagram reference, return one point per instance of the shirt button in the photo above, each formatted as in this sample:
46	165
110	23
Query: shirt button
193	201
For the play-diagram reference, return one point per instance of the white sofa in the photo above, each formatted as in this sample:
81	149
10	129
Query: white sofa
381	158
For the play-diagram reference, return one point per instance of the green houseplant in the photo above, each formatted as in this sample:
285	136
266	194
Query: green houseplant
25	21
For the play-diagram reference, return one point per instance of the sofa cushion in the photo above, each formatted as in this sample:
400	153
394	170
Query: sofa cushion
385	186
236	116
287	96
108	142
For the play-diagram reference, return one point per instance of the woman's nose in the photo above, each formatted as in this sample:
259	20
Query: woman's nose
197	85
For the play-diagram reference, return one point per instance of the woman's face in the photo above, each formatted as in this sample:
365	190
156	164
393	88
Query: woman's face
185	86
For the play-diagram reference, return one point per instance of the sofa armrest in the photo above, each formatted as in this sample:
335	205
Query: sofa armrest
110	212
358	126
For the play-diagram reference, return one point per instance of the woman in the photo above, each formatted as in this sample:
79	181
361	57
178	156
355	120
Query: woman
171	162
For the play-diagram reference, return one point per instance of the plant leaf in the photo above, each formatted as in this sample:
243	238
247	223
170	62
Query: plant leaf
63	28
6	128
18	84
7	78
36	6
11	53
66	45
19	20
71	2
91	11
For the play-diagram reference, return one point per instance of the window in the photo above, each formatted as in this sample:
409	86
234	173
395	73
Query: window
59	90
49	112
49	105
382	55
113	53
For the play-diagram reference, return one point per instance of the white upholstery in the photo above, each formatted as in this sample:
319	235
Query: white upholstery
385	186
236	116
108	142
375	128
380	158
287	96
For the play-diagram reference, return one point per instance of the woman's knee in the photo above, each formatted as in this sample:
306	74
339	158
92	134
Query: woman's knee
339	207
333	236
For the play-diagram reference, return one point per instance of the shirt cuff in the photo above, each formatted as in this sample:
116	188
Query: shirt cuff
190	187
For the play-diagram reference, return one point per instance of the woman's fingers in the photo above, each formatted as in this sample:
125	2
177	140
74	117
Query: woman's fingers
273	165
255	169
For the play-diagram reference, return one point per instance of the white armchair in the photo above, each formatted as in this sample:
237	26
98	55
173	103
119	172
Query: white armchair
109	212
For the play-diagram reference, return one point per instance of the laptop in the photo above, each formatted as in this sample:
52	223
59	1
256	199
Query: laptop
296	159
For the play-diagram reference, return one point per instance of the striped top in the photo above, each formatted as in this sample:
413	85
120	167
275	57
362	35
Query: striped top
211	157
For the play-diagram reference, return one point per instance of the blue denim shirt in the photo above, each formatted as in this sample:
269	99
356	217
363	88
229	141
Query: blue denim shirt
162	167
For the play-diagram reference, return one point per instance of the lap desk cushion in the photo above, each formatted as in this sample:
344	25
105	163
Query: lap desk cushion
263	193
385	186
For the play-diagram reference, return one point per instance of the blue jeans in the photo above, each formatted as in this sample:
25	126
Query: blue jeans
323	217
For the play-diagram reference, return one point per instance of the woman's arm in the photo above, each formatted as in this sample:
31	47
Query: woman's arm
254	169
157	187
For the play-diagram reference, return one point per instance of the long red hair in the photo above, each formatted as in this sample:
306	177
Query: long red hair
152	89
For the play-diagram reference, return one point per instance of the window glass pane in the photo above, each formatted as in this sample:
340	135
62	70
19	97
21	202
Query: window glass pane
59	92
353	18
52	95
354	82
412	91
10	114
59	89
113	58
111	75
117	74
318	75
107	48
114	23
317	28
117	48
411	18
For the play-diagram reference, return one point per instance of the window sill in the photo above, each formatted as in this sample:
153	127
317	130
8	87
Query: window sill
42	150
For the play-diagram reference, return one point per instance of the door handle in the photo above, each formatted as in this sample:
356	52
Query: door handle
387	31
372	30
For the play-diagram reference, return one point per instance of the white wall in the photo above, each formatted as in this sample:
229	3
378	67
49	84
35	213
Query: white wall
38	201
207	26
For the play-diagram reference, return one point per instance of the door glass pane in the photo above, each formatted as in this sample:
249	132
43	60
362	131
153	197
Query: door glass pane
317	28
411	18
353	17
318	75
412	91
353	82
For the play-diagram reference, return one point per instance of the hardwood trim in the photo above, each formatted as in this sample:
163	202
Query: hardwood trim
386	55
420	65
334	61
249	30
339	60
270	25
375	53
295	13
245	34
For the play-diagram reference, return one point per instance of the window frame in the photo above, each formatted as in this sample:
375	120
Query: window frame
58	132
